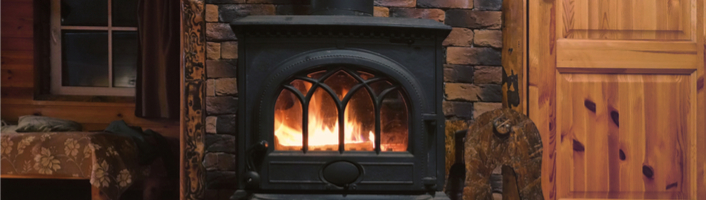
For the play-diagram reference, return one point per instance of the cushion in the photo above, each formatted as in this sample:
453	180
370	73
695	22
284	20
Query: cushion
31	123
7	128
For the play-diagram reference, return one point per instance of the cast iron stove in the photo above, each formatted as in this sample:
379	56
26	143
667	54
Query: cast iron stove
340	105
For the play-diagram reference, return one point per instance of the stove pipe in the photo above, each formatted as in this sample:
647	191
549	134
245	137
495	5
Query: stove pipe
342	7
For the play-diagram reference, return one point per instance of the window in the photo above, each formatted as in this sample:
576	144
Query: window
94	47
371	106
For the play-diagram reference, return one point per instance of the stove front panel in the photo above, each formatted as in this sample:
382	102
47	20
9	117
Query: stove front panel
276	75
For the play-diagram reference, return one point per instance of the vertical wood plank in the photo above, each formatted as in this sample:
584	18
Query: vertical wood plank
602	157
514	55
699	167
194	28
193	174
566	137
542	93
632	145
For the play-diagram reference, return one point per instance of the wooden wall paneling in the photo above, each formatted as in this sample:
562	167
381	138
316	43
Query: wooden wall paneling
193	174
541	71
22	78
16	10
514	55
17	26
17	59
20	93
700	171
17	53
17	44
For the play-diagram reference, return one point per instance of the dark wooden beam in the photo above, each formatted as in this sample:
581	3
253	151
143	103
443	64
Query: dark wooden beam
514	55
193	174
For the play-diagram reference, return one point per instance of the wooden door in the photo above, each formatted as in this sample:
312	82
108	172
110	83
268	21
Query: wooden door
616	87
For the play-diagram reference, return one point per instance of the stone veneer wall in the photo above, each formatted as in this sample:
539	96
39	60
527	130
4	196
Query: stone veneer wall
472	71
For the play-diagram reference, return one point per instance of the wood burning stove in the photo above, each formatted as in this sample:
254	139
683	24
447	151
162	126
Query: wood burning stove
342	105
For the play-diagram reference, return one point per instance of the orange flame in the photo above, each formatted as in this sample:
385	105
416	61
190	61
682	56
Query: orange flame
323	128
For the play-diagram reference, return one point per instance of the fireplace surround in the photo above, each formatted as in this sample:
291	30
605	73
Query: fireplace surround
340	104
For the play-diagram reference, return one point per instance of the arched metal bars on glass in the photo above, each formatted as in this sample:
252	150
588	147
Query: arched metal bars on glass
340	104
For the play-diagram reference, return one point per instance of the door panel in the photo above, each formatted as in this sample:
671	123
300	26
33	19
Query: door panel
675	57
627	19
623	132
616	90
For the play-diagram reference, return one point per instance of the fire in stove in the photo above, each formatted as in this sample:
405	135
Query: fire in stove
360	95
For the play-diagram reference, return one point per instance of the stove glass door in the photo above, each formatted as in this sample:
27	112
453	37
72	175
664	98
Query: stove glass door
341	109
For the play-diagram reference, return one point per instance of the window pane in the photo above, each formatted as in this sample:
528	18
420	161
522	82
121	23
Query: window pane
323	122
360	122
124	58
84	58
125	13
341	82
394	123
288	122
84	13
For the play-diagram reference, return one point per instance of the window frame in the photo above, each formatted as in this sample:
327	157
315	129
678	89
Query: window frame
55	43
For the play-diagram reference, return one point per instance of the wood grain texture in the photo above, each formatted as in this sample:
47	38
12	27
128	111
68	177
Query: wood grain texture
601	54
17	77
519	148
510	190
626	19
630	102
541	101
514	55
700	171
17	59
194	39
633	139
17	53
193	174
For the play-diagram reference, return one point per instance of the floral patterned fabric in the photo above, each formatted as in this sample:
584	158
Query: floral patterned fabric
109	161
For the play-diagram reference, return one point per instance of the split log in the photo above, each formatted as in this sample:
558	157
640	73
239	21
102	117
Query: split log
507	138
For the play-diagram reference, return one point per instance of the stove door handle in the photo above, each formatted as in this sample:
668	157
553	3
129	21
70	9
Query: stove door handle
256	148
252	178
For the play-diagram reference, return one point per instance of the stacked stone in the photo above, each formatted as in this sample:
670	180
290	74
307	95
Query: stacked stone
221	100
472	72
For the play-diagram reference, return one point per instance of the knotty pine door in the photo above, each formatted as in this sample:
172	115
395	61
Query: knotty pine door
616	87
